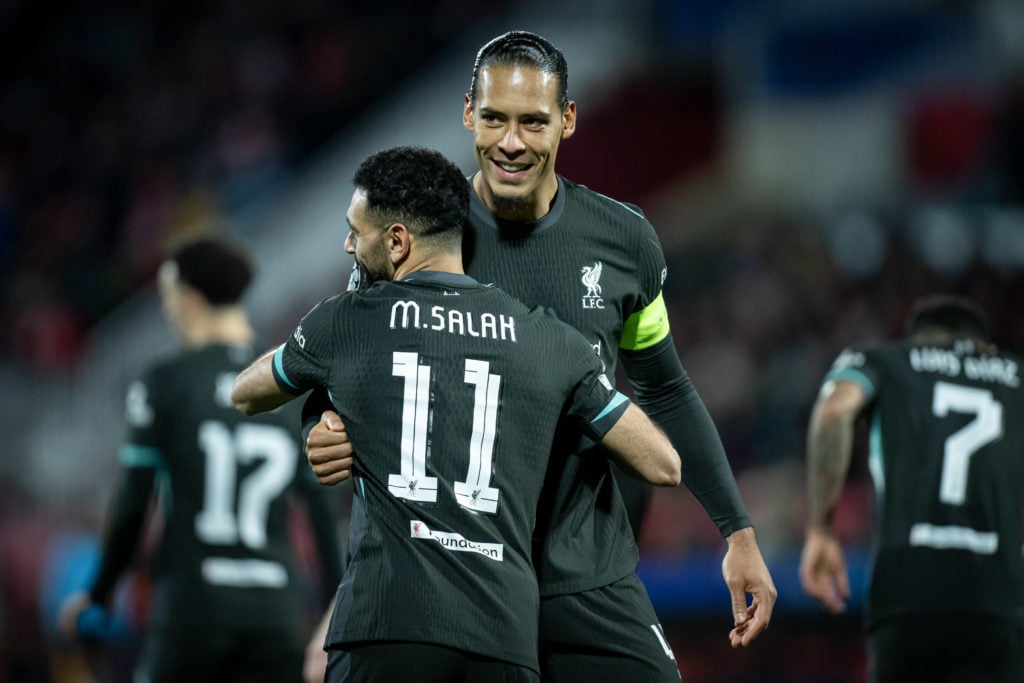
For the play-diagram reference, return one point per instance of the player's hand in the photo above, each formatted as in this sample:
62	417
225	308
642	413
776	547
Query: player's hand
745	572
70	610
328	450
823	570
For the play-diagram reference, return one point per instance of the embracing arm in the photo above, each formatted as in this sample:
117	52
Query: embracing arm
328	450
256	390
829	447
664	390
642	449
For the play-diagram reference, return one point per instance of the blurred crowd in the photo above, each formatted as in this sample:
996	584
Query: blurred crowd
124	126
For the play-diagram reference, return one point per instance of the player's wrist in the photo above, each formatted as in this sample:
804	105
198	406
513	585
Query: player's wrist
742	538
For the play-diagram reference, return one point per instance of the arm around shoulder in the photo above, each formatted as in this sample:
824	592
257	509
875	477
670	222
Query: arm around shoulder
256	390
642	448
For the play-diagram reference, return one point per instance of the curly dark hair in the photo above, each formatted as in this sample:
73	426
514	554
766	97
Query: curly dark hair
522	48
419	188
955	314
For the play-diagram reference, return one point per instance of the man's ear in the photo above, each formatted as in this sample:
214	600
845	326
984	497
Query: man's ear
190	300
569	120
399	242
467	113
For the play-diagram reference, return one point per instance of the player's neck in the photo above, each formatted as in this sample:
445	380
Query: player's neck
229	326
442	263
520	209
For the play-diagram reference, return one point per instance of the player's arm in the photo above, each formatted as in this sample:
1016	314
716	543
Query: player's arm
256	389
328	450
642	449
663	389
829	447
128	512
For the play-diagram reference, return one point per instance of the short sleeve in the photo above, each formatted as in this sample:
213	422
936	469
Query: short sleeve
648	324
143	417
594	403
304	361
857	366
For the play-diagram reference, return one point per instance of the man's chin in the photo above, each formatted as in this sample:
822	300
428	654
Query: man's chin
509	205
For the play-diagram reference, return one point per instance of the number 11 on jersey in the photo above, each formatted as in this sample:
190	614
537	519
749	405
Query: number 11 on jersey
412	483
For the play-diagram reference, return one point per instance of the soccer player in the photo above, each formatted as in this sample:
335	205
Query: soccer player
946	409
228	602
598	264
452	392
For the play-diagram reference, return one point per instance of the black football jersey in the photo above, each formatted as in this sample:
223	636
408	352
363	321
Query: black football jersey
946	454
596	262
225	558
451	393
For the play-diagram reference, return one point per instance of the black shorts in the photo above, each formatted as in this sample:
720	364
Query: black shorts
200	655
946	649
382	662
607	634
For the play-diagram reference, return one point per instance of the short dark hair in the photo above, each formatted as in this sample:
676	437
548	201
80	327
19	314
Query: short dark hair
216	267
954	314
522	48
419	188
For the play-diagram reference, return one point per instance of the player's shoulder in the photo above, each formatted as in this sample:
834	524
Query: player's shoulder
167	365
613	209
547	320
866	359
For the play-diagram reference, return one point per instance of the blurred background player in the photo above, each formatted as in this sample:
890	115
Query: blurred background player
946	595
453	392
228	602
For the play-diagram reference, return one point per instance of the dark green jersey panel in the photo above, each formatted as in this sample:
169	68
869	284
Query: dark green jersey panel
225	557
947	459
595	262
451	393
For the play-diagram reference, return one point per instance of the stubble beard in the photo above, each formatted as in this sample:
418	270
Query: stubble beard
509	208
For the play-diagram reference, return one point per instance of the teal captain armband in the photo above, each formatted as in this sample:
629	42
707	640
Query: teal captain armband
646	327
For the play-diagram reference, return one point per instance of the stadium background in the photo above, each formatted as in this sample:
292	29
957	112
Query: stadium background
810	167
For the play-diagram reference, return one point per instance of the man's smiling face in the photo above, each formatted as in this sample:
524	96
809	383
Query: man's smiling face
517	126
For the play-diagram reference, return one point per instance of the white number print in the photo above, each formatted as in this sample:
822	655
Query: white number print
986	427
412	483
221	520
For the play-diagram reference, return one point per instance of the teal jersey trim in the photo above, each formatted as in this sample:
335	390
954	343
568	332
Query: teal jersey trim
616	401
279	366
134	455
876	457
624	206
855	376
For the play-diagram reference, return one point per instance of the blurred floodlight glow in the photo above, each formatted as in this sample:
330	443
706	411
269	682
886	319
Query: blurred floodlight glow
1002	242
859	244
943	237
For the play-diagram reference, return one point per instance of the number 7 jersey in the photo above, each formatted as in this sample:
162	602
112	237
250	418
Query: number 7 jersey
451	393
946	454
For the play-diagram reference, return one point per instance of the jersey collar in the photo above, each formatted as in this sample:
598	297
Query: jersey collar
480	211
437	277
